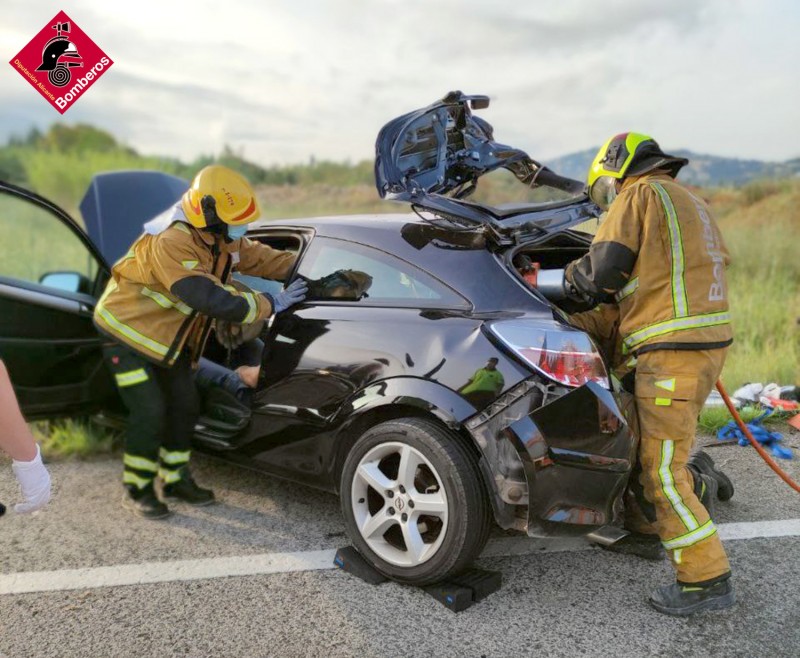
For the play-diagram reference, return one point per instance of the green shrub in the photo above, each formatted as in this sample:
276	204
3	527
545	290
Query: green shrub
73	438
761	189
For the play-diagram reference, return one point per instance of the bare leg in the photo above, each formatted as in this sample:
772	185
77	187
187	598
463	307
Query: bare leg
15	436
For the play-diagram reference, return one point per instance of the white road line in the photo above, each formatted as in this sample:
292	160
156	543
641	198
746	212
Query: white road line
782	528
163	572
271	563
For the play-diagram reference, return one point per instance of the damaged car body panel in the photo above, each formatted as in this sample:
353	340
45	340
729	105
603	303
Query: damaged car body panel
433	158
565	454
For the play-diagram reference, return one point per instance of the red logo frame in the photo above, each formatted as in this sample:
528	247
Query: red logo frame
61	62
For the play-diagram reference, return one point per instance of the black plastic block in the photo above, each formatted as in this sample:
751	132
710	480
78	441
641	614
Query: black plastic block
481	582
349	559
457	593
451	596
460	592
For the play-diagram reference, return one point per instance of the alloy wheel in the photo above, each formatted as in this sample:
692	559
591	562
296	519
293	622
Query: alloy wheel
399	504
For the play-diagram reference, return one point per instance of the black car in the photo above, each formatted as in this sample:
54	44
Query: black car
424	379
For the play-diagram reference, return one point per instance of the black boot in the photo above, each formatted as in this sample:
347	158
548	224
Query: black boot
186	490
706	490
701	463
683	600
647	547
144	503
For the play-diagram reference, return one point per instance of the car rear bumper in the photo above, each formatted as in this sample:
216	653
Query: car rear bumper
563	454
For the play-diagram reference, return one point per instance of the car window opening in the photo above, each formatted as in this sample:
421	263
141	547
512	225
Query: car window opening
231	364
347	272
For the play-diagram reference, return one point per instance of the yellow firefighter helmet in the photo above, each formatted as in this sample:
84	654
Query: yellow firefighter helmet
626	154
234	201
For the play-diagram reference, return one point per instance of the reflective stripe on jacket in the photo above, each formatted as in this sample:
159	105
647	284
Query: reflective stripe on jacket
141	309
661	256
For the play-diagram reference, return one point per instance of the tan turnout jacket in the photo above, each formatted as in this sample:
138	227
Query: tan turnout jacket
660	254
140	309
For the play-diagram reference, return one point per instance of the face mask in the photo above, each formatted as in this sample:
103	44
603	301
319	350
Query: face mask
236	232
604	191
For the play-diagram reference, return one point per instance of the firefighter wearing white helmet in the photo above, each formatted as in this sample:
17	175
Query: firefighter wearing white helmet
158	309
660	260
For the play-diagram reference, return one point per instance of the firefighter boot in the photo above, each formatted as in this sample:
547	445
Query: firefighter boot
684	600
144	502
186	489
701	463
706	488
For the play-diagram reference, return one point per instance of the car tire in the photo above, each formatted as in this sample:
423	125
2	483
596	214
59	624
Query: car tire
412	536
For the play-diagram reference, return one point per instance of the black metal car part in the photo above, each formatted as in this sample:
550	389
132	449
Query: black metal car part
553	449
443	149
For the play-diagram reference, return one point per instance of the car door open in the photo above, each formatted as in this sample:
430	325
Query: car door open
50	278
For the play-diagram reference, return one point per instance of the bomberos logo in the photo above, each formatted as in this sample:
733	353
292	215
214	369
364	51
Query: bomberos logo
61	62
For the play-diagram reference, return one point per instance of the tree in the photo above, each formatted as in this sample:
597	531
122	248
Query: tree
78	139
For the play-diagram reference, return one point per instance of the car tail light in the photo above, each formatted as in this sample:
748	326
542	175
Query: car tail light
564	355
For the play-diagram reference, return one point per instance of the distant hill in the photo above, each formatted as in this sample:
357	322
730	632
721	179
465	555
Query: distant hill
705	170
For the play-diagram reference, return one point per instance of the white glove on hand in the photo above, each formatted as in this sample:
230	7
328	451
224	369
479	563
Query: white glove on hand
34	482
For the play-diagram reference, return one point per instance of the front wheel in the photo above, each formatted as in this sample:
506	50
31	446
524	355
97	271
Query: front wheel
413	501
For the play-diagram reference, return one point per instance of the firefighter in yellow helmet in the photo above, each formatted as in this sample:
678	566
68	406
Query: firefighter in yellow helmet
158	309
659	258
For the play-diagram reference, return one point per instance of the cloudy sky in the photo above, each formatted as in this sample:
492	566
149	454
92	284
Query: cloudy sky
285	79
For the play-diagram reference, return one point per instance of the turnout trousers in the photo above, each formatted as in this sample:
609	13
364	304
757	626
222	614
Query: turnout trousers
163	407
670	388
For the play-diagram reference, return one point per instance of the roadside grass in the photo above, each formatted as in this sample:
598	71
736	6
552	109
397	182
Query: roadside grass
714	418
38	244
763	237
73	438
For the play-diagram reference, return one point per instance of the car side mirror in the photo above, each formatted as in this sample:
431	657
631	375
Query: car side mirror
66	281
479	102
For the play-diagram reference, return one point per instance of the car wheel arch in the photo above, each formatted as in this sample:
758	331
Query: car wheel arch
356	426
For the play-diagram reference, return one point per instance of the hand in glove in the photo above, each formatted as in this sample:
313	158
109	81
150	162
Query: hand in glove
34	481
232	334
292	294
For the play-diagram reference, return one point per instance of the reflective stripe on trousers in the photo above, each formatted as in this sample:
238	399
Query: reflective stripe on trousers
131	377
172	464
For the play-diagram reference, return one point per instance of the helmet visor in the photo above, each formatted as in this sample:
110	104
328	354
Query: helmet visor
603	191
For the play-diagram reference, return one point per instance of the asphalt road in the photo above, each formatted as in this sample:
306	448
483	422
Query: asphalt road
555	601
